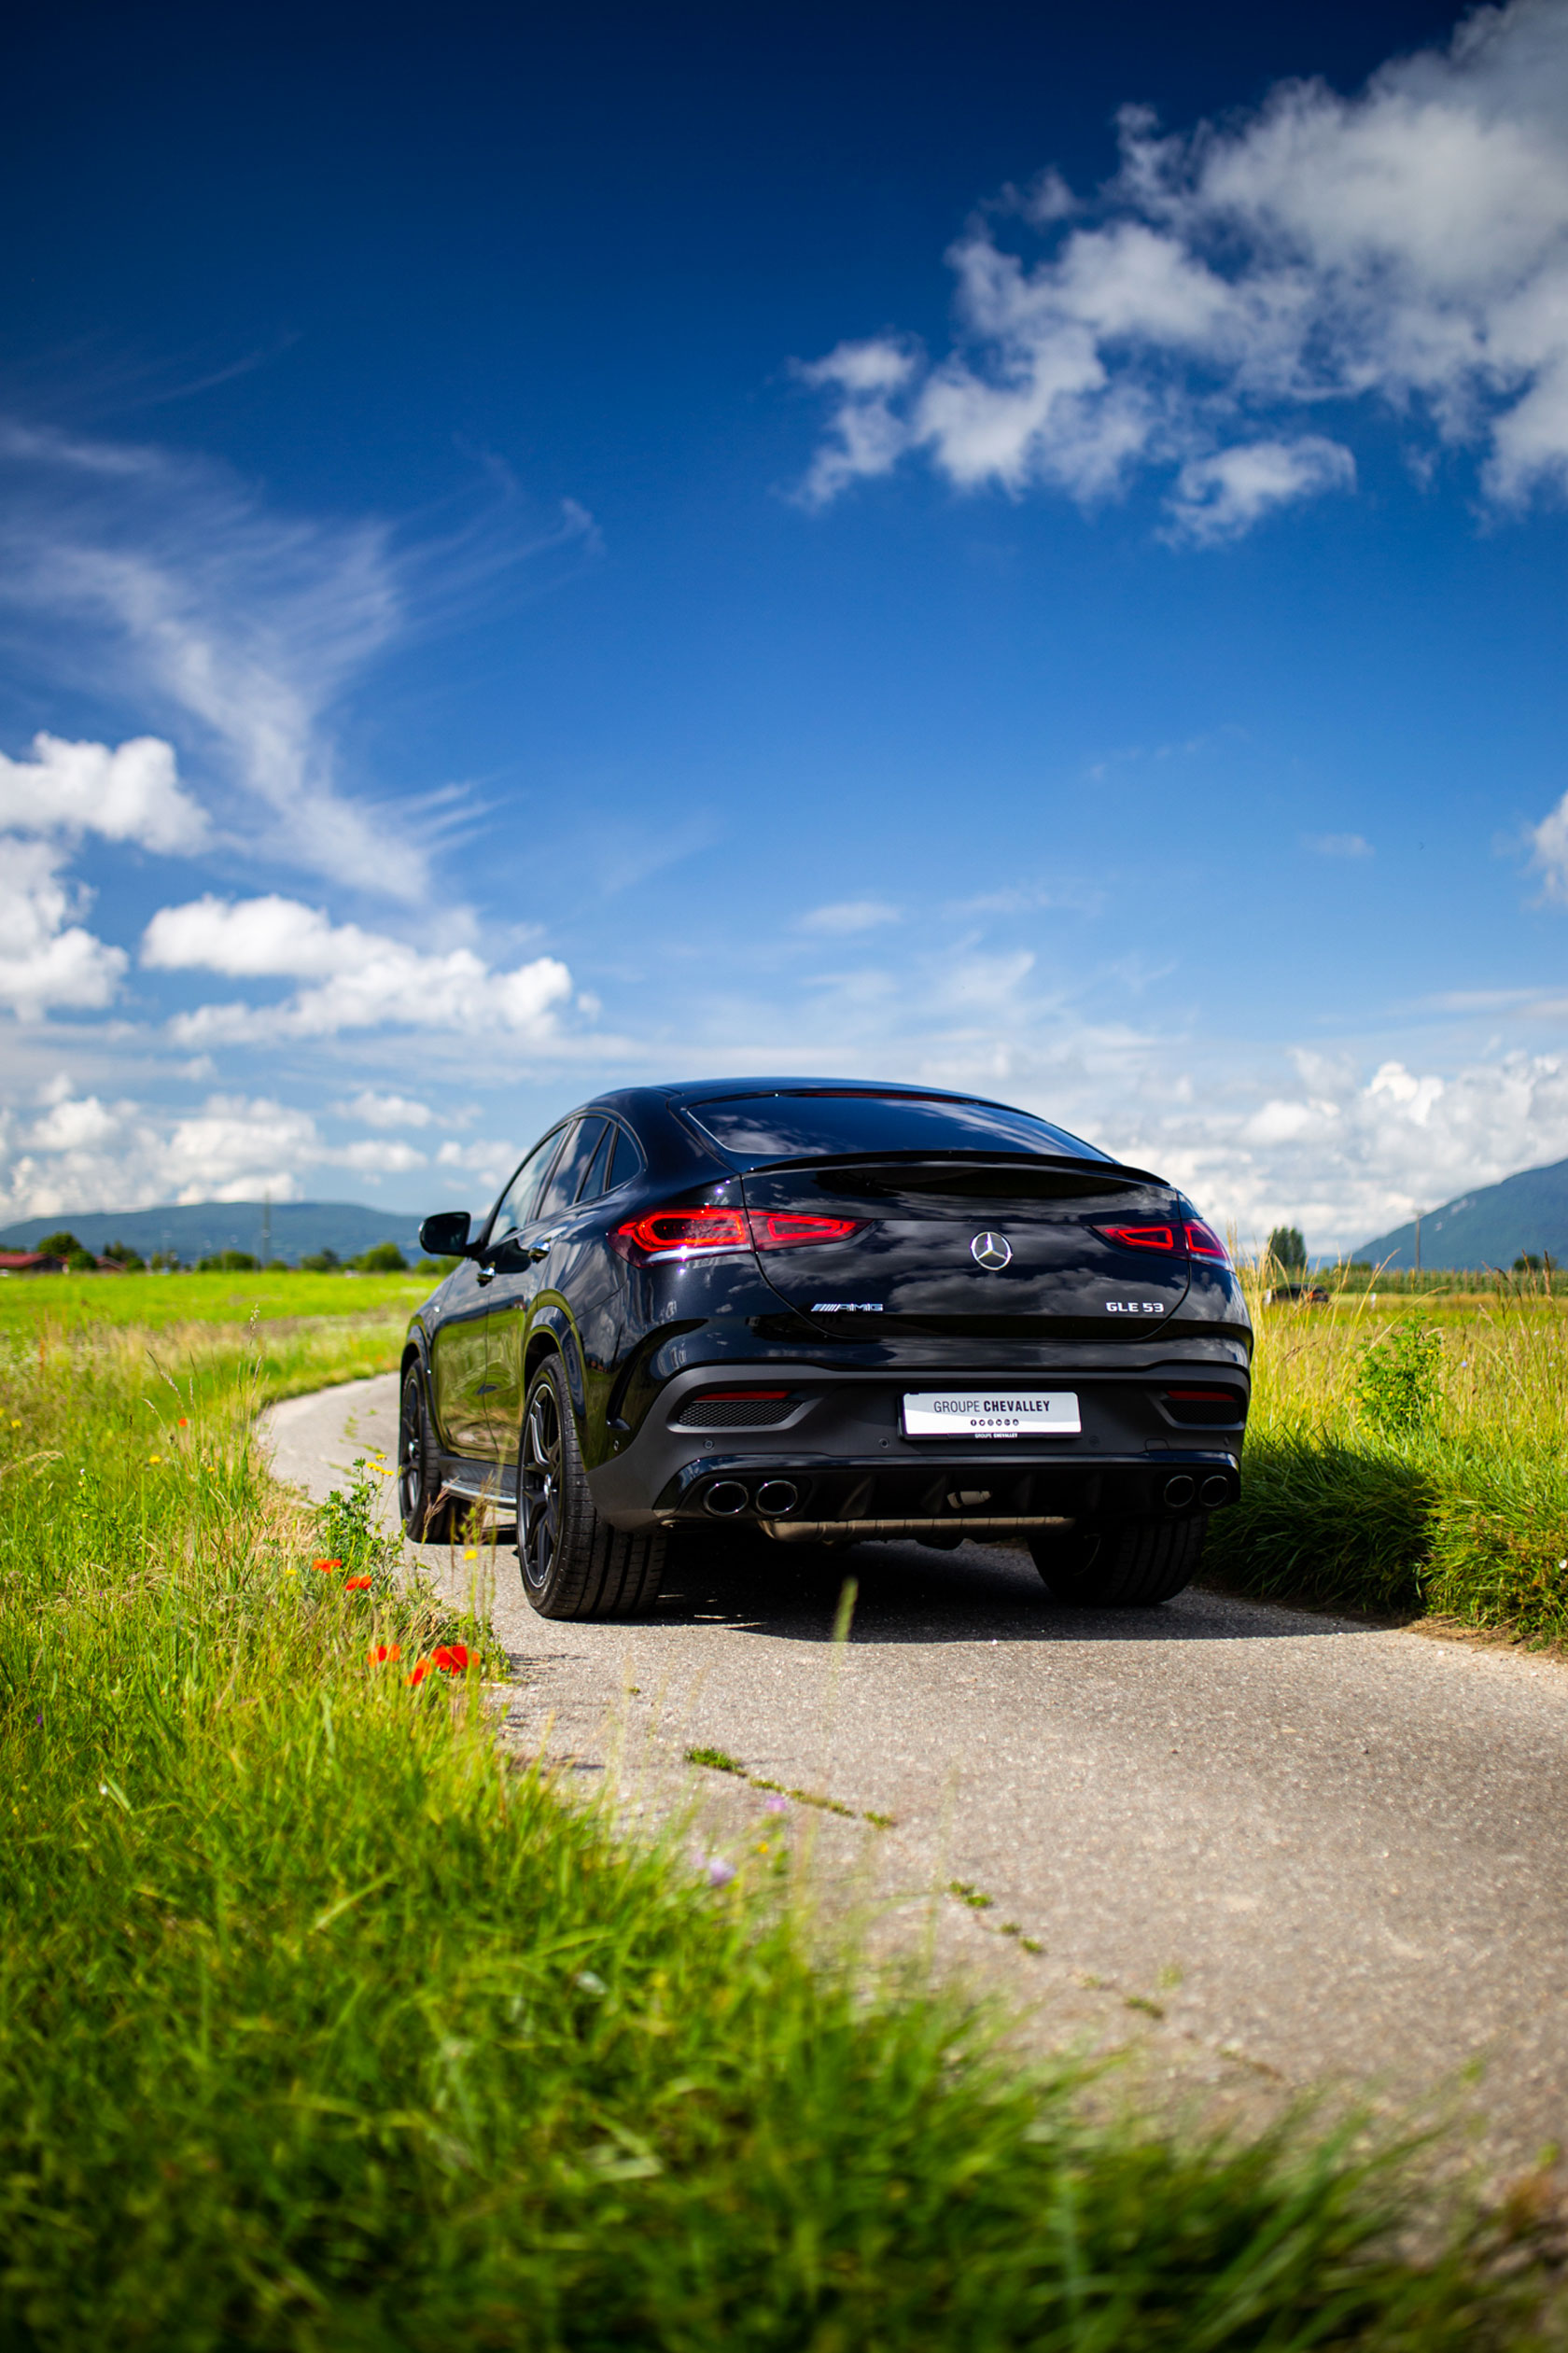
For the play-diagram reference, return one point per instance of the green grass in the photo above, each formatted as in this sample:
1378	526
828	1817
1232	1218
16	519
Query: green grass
1464	1518
74	1303
323	2029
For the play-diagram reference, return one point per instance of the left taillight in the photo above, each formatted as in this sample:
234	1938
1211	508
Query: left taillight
1203	1242
690	1233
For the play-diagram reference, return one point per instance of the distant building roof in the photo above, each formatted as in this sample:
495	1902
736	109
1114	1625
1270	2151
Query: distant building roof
29	1262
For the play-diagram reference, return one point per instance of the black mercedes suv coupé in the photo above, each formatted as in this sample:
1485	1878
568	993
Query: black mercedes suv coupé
831	1311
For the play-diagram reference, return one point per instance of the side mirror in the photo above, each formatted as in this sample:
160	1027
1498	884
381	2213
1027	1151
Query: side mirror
445	1235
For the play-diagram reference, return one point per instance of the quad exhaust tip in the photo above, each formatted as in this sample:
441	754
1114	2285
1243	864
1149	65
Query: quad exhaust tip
1180	1491
725	1498
777	1497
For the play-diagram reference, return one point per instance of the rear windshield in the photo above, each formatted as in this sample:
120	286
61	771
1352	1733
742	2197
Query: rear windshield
752	1129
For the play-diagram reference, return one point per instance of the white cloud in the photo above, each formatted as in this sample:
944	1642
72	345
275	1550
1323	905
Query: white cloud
1222	497
1337	845
81	1152
46	960
130	795
364	979
1405	246
846	916
387	1111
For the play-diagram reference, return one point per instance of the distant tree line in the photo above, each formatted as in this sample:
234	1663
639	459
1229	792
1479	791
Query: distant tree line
382	1258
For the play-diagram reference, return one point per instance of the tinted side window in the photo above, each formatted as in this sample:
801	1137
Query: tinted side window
572	1168
626	1164
594	1183
518	1201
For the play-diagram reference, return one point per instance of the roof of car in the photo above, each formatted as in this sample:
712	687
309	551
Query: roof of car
707	1089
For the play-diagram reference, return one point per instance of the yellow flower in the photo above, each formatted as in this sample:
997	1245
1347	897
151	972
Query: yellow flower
154	1458
471	1554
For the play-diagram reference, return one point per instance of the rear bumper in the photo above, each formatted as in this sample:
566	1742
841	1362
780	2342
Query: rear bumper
836	1462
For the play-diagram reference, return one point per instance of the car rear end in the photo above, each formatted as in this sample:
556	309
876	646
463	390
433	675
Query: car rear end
898	1315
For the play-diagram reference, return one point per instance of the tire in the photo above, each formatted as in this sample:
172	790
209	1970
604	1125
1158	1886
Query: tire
574	1563
427	1516
1130	1564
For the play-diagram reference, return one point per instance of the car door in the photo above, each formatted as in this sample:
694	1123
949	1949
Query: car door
459	1356
458	1362
523	1270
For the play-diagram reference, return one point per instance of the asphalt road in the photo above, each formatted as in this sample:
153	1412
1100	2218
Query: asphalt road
1271	1847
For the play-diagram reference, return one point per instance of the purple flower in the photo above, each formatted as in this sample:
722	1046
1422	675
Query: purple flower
776	1805
720	1873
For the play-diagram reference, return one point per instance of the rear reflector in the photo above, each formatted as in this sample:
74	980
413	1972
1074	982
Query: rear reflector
686	1233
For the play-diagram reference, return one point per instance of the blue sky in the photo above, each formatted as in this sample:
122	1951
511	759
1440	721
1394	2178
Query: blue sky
1010	549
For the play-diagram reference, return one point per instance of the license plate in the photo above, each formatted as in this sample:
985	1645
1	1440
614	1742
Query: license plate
974	1413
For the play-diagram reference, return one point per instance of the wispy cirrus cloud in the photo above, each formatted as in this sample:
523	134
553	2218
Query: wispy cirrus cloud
246	628
1232	288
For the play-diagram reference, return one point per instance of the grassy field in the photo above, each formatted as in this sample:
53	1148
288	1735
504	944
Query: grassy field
321	2029
78	1303
1459	1511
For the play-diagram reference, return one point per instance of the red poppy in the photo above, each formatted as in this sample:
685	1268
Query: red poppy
420	1671
452	1658
384	1651
183	1422
327	1566
357	1585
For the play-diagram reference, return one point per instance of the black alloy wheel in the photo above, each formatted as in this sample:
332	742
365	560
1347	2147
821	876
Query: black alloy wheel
427	1518
574	1563
1130	1564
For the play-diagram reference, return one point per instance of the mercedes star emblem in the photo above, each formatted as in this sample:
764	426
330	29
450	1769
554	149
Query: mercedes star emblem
992	1250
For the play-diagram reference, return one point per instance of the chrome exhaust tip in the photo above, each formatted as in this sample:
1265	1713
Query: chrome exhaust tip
724	1498
777	1497
1214	1491
1179	1492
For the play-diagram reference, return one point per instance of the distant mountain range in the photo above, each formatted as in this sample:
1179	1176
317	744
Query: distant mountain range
200	1229
1488	1228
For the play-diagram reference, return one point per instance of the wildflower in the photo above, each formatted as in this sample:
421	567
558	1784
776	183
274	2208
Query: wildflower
420	1671
452	1658
385	1652
776	1805
357	1585
183	1422
327	1566
471	1554
720	1873
154	1458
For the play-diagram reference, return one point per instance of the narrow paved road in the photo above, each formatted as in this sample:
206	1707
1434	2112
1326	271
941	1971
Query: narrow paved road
1278	1843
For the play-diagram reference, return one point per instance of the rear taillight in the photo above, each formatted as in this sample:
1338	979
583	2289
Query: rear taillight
781	1229
1142	1236
1192	1238
676	1233
688	1233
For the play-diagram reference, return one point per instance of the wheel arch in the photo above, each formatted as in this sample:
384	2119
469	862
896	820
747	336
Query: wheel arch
553	1337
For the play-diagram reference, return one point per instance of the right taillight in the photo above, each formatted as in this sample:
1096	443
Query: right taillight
1203	1242
1142	1237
